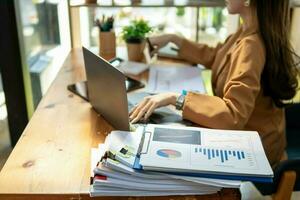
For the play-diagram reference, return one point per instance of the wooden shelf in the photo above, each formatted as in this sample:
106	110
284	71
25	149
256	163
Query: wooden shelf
153	4
187	3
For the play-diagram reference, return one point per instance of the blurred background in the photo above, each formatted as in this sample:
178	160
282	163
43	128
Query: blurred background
209	24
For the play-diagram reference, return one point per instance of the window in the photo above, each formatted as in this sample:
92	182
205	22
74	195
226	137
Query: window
44	36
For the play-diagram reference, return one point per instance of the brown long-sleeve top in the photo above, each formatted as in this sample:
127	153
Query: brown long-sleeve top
238	102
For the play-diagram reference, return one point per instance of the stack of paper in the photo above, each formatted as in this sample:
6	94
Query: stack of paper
160	160
112	178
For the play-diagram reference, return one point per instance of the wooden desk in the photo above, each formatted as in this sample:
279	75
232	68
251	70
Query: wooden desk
52	158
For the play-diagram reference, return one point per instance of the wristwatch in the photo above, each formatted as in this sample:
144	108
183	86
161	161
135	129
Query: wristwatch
180	101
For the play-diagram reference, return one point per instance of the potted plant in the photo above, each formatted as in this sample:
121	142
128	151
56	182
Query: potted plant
107	37
169	2
134	2
134	36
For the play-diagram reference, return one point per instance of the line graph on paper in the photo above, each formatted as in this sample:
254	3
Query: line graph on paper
227	141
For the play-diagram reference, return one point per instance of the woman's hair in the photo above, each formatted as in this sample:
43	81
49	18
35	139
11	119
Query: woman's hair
279	77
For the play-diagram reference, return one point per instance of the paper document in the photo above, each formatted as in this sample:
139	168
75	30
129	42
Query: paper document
195	150
113	168
105	191
175	79
133	68
128	184
127	153
169	51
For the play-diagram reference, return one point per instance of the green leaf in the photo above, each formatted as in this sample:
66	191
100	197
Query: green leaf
136	31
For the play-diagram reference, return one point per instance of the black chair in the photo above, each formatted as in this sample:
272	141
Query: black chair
287	173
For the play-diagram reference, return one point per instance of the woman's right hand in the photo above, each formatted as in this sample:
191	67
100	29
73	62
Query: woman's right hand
146	107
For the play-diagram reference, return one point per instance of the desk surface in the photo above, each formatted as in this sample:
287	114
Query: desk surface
52	157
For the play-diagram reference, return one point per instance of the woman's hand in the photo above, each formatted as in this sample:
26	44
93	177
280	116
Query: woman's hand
146	107
163	40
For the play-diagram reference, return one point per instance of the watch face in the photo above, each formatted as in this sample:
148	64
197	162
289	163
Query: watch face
181	98
179	102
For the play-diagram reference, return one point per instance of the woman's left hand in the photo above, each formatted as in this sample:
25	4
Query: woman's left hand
146	107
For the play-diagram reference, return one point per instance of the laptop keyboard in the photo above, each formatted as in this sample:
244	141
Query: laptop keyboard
159	116
132	126
130	106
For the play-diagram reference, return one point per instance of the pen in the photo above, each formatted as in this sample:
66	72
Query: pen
151	47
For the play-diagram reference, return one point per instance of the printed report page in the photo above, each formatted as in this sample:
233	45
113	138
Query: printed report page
192	149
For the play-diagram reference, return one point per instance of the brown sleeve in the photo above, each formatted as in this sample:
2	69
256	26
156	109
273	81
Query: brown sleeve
240	91
199	53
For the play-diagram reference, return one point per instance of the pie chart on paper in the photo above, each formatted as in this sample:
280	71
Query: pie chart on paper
168	153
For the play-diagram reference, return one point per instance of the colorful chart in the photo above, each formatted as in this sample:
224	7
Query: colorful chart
223	154
168	153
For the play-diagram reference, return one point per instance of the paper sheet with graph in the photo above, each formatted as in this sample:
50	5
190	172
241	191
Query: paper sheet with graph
191	149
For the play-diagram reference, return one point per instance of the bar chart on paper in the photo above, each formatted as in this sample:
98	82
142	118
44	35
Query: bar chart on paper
236	158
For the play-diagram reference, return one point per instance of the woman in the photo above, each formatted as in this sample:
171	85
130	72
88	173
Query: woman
253	74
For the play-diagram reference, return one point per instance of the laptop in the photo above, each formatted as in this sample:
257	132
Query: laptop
106	86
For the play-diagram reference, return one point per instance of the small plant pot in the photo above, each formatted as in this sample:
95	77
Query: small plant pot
90	1
136	1
135	51
169	2
107	45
